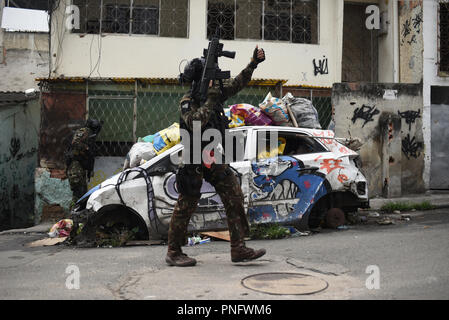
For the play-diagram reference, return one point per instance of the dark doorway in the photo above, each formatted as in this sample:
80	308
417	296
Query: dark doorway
360	46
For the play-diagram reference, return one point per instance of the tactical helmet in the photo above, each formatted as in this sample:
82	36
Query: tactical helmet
94	125
192	71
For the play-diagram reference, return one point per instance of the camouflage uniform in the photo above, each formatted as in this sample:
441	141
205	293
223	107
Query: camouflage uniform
75	171
80	157
190	176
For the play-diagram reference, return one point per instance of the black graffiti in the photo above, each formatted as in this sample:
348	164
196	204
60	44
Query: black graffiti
410	117
321	68
14	146
417	21
411	147
4	158
366	113
406	28
412	39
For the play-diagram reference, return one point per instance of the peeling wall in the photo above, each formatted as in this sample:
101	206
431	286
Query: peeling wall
388	120
61	113
411	41
24	57
19	136
50	191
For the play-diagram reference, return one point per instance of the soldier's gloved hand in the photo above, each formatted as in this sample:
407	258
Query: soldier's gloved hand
258	55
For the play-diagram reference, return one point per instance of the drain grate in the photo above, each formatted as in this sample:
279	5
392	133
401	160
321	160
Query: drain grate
283	283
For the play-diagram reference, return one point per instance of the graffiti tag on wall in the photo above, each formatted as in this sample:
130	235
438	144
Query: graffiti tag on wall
321	67
365	113
411	147
410	28
410	117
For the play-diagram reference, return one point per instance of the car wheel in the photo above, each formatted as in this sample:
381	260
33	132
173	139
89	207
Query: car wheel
318	213
335	217
112	226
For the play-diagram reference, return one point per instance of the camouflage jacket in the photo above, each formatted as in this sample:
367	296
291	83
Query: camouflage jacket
193	111
80	143
211	114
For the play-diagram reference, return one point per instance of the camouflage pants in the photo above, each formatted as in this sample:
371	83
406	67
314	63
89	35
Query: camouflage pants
189	180
77	179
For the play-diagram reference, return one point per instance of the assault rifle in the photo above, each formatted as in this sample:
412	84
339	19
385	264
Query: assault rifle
211	71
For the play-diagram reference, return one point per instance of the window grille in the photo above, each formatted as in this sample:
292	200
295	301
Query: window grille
443	31
293	21
165	18
28	4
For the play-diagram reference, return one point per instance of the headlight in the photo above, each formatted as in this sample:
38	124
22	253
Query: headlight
361	188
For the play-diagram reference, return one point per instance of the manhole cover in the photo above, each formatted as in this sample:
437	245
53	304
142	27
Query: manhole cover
284	283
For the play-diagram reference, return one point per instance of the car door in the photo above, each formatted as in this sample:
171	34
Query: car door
284	183
210	213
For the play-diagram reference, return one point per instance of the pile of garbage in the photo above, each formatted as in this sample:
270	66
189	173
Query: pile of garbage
289	111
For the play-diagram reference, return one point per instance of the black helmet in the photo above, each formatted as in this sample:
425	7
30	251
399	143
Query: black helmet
94	125
192	71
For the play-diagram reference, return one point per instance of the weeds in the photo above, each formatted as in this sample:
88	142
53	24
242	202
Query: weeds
268	231
405	206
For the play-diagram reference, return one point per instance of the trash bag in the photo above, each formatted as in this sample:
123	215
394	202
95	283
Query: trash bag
139	151
61	229
252	115
235	119
303	110
276	110
149	138
167	138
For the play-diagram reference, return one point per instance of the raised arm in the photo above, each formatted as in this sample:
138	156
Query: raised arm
244	77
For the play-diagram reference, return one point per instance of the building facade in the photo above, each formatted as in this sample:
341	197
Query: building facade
118	60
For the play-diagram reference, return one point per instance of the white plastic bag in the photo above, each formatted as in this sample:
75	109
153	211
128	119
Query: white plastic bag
139	151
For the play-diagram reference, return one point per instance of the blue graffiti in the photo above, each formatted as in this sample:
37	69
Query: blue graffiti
288	175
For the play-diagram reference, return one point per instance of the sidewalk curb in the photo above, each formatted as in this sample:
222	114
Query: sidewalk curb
37	229
439	201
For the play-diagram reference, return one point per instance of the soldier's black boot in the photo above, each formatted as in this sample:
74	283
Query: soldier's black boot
241	253
178	259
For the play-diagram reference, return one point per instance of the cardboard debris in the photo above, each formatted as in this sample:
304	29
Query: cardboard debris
45	242
222	235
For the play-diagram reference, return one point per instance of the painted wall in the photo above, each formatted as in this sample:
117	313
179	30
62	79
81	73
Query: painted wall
149	56
430	74
388	120
19	137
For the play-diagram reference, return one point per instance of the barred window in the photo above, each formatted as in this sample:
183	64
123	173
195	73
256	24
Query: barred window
294	21
28	4
165	18
444	38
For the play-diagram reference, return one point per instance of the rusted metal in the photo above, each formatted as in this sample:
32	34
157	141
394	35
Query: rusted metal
60	114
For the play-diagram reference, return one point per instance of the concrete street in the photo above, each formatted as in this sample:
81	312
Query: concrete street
411	256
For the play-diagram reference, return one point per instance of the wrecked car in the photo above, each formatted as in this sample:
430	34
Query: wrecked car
311	174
